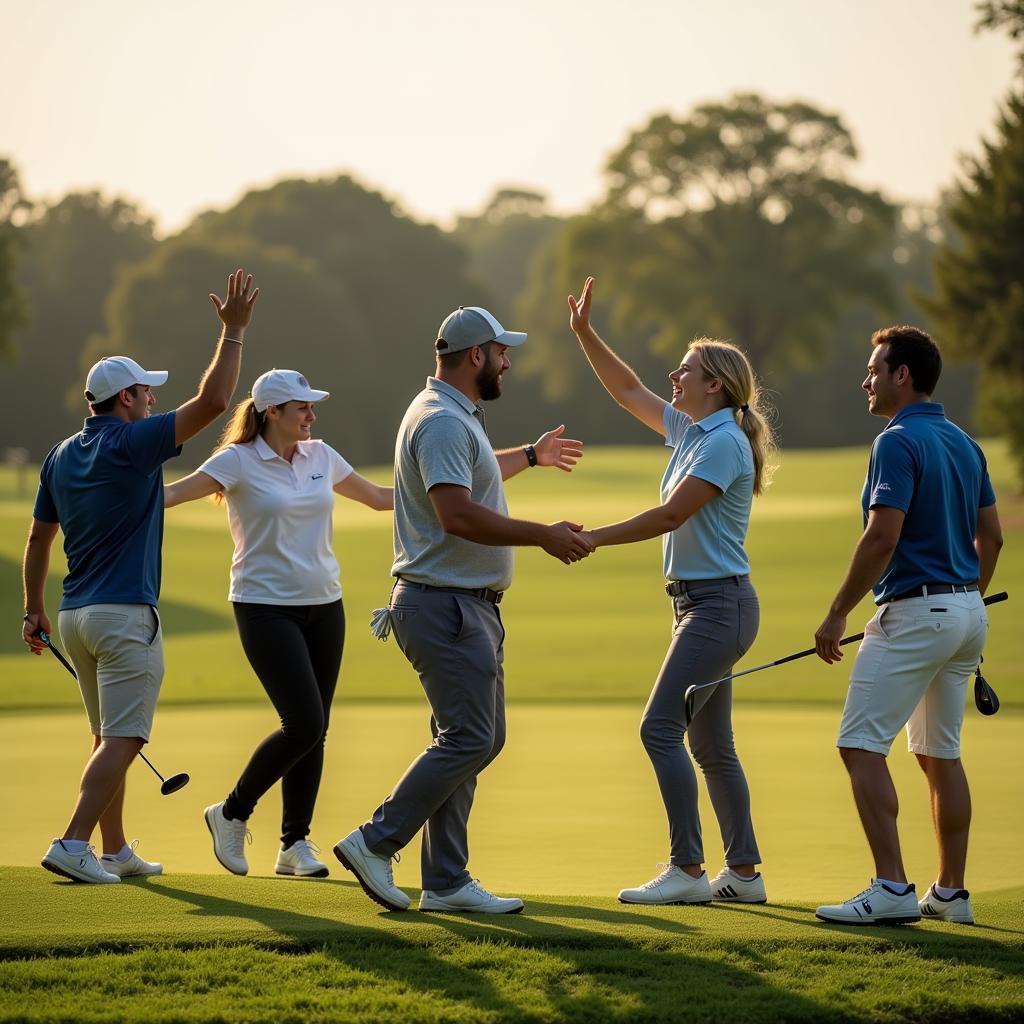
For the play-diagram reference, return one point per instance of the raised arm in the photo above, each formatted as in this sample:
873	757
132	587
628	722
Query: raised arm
358	488
218	382
619	380
190	488
550	449
988	539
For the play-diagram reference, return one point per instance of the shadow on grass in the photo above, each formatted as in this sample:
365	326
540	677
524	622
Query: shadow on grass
527	967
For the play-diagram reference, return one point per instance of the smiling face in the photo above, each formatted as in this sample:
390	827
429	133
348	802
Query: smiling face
139	403
292	421
690	388
488	378
882	386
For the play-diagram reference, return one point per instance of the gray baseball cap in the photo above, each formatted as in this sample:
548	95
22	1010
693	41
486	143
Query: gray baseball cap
115	373
470	325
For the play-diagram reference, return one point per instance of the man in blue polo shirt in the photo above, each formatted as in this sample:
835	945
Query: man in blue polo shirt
928	551
103	488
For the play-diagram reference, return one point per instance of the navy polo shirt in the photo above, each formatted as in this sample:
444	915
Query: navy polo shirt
104	486
931	470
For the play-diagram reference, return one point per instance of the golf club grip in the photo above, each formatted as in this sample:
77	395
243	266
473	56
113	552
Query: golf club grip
45	637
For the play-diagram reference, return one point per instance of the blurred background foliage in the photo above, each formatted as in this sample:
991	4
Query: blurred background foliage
739	219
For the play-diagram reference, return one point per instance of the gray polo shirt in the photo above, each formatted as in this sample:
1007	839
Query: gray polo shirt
442	441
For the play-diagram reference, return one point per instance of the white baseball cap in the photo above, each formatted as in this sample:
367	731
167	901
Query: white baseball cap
275	387
471	325
115	373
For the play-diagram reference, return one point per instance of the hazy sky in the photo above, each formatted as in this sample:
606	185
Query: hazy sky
183	105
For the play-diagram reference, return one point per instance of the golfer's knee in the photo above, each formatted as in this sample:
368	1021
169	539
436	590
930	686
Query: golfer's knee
659	734
305	730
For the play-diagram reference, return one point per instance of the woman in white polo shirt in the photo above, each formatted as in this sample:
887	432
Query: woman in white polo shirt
279	485
721	446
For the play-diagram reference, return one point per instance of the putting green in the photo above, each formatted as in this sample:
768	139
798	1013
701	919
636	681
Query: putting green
570	807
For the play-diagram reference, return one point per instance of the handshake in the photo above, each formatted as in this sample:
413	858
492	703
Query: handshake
568	542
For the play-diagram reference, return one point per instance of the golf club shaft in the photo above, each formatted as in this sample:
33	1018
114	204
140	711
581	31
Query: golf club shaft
45	637
993	599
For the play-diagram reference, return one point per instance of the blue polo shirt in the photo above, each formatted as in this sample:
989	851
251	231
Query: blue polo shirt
104	486
930	469
709	545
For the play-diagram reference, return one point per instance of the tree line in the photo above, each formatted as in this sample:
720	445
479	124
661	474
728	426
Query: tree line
739	219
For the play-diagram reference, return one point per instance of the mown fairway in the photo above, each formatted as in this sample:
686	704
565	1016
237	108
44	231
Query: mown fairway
570	810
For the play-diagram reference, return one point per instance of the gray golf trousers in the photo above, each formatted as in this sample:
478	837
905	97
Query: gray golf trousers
455	643
715	624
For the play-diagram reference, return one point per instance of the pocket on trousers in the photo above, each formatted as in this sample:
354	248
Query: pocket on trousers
154	619
404	612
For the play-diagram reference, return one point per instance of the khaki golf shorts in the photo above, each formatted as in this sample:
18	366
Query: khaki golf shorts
912	669
118	653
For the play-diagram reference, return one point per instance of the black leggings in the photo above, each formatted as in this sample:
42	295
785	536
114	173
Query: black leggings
296	652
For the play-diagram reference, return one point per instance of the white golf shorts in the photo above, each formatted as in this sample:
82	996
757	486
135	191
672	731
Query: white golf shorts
118	653
912	669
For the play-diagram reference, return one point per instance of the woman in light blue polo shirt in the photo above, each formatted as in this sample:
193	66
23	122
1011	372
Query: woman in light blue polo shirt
721	446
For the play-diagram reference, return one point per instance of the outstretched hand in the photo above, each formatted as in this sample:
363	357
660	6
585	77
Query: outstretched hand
235	311
567	542
554	450
579	311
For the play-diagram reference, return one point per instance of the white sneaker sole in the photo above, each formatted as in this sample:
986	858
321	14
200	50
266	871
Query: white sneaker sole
213	836
59	869
349	864
443	908
292	873
750	900
881	922
667	903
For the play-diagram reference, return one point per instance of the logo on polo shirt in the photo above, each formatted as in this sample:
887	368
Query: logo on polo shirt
883	487
318	476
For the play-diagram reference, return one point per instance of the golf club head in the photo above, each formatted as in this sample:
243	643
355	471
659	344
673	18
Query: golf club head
985	699
688	703
174	783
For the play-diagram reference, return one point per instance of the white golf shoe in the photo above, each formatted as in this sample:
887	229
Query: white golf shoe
229	837
937	908
472	898
132	865
877	904
79	867
300	861
673	886
373	872
728	887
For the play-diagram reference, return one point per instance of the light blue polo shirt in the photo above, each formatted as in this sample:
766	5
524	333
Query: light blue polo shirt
709	545
930	469
105	487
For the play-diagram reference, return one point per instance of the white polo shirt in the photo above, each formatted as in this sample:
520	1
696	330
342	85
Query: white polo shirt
280	514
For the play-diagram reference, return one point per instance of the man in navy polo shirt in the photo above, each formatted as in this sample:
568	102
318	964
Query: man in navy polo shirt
103	488
928	551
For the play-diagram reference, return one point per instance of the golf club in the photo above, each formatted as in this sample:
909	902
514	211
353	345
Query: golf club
168	786
983	693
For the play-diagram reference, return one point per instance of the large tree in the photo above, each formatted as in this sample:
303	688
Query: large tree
979	303
739	221
13	308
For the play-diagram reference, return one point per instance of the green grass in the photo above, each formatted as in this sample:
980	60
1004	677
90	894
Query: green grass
194	948
592	632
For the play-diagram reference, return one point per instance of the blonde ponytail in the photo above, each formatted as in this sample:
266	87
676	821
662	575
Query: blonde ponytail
730	365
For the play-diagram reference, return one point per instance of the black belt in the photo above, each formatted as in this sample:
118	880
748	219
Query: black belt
677	588
483	594
933	589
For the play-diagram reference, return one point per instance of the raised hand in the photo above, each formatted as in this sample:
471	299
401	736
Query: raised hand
552	449
235	311
579	311
567	543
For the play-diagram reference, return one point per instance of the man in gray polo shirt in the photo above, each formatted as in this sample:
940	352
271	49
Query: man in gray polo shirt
453	560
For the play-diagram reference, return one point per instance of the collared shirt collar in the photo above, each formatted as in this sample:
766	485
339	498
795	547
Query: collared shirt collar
716	419
96	422
917	409
434	384
266	453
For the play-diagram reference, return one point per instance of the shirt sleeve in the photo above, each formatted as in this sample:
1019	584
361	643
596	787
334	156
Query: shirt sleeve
150	442
986	493
445	452
675	423
719	460
45	510
340	468
892	472
224	466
